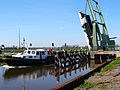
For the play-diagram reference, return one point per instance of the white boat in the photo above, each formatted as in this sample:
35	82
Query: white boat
31	57
33	54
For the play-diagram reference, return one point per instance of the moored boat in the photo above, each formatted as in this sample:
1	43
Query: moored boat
31	58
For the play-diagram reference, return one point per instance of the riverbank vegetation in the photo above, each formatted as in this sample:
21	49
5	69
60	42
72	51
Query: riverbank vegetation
104	78
112	65
56	48
1	56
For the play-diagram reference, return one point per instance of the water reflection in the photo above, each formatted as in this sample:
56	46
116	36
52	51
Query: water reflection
71	69
43	71
38	77
29	72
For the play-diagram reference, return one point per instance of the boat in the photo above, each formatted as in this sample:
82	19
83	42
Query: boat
31	58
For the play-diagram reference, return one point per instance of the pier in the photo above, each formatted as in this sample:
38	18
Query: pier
66	58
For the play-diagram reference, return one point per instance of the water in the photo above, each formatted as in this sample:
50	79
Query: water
40	78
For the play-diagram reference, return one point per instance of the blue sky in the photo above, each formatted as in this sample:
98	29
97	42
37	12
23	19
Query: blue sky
45	21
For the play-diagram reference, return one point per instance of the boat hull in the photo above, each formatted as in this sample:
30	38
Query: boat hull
29	62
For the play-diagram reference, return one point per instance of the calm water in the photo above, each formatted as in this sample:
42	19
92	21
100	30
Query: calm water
40	78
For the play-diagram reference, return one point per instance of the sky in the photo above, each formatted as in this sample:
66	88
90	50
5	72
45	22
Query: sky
42	22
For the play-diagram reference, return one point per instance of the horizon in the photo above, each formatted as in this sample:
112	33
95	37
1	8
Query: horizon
44	22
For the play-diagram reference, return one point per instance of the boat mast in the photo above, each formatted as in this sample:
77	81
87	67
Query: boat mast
19	38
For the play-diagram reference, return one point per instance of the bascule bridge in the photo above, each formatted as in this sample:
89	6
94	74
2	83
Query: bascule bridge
96	38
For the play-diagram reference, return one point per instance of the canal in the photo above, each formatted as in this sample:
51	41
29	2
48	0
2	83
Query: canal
41	77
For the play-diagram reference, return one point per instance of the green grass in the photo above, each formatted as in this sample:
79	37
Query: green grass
102	86
4	56
1	56
112	65
65	48
12	50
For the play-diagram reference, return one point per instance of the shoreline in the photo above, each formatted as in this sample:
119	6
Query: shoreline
73	83
108	78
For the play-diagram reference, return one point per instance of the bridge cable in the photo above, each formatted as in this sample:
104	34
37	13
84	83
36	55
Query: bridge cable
86	7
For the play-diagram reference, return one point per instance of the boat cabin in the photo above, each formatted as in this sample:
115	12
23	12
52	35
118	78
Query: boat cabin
35	54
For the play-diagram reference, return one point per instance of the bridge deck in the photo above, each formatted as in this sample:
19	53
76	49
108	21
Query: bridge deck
93	53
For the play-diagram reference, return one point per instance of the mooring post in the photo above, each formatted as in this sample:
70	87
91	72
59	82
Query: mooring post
64	70
100	59
80	52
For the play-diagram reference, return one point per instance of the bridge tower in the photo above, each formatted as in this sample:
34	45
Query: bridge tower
95	38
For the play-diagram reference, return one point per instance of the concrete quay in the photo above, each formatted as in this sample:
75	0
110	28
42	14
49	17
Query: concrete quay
103	53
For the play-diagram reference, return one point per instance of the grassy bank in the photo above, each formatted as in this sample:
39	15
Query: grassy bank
1	56
5	56
112	65
107	68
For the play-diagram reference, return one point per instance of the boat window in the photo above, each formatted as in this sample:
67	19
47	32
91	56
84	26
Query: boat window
43	53
37	53
28	52
33	52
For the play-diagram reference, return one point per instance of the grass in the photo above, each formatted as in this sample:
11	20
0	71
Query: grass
102	86
98	74
110	66
1	56
65	48
12	50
